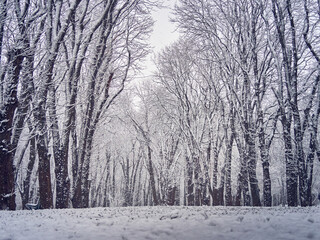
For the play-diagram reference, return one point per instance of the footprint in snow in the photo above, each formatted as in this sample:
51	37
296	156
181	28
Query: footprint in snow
310	220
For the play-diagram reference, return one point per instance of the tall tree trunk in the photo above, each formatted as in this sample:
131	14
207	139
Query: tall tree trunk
291	166
252	172
228	194
93	112
39	113
221	188
3	14
243	184
312	150
264	154
171	195
310	160
45	187
190	185
60	152
27	180
152	178
215	199
197	181
54	36
9	102
229	143
290	74
207	185
7	111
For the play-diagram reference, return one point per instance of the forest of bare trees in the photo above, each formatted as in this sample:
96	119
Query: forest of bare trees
230	116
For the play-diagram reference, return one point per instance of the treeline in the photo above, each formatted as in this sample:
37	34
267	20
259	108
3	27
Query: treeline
231	116
63	63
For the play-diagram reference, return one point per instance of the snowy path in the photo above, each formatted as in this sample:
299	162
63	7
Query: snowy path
167	223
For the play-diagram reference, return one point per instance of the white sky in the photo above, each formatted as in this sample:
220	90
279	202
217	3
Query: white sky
164	33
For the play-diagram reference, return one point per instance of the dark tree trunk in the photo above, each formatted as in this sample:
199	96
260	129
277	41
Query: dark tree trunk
291	167
290	67
27	181
126	175
310	160
152	178
264	154
215	199
242	187
207	186
239	189
252	173
40	101
62	179
85	183
171	195
39	113
220	193
76	198
190	185
221	188
82	188
312	152
60	152
46	198
7	191
267	197
7	194
228	195
197	182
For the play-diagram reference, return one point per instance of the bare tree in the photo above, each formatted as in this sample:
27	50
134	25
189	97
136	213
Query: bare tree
17	50
296	112
109	71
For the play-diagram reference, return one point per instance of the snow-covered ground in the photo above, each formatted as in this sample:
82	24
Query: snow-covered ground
162	223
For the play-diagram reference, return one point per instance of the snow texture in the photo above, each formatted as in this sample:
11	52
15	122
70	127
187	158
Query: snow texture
162	223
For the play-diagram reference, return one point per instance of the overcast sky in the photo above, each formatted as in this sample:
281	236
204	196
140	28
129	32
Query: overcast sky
163	33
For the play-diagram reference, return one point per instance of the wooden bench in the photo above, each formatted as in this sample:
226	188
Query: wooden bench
33	206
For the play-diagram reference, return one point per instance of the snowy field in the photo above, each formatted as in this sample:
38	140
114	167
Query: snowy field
162	223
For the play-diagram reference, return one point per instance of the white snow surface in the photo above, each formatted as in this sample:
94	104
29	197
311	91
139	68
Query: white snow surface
131	223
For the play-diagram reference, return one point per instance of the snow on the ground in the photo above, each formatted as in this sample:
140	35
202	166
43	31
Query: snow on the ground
133	223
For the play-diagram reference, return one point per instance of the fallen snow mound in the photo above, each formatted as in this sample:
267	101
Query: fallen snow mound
167	223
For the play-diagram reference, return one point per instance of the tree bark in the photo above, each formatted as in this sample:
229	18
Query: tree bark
7	112
190	184
264	154
27	180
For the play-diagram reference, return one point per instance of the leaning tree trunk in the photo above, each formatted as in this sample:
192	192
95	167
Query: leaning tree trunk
27	180
93	109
